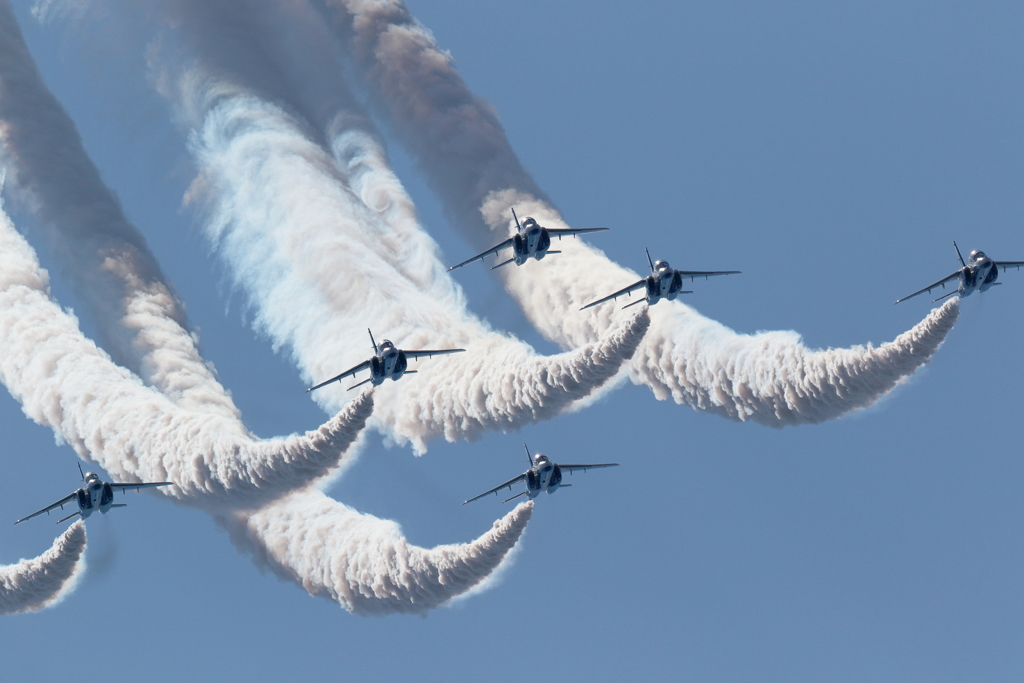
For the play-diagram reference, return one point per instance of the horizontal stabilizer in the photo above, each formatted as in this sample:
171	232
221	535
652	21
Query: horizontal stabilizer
119	505
503	263
955	291
74	514
641	301
361	383
514	497
552	251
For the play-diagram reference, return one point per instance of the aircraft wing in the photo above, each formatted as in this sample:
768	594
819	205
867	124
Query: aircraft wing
572	468
508	484
932	286
351	371
140	485
60	503
692	274
429	352
562	232
625	290
493	250
1009	264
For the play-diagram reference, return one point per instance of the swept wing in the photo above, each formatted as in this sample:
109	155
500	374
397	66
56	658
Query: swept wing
692	274
932	286
362	366
140	485
493	250
59	504
562	232
1009	264
508	484
572	468
625	290
429	352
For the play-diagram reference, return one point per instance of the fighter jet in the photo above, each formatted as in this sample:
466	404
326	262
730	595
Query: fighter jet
531	240
387	361
543	475
978	274
95	495
663	282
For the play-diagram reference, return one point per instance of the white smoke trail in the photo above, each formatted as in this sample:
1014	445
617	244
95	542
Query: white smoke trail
321	263
141	321
31	585
459	142
63	381
425	576
364	563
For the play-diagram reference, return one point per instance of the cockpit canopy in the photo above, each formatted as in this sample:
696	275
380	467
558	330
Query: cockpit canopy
386	344
529	223
660	265
540	457
977	254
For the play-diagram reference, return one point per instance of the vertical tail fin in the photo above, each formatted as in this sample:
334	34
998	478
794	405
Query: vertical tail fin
528	456
962	264
519	228
80	471
649	259
375	352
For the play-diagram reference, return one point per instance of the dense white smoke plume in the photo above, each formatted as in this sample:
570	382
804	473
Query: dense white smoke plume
31	585
142	324
63	381
365	563
457	139
326	246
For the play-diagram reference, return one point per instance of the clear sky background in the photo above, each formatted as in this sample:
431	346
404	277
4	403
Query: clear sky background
829	151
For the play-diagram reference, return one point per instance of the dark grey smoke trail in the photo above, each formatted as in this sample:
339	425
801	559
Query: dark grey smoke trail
31	585
457	139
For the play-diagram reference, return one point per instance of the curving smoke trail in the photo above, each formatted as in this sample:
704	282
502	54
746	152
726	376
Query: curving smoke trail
63	381
457	139
31	585
325	245
142	323
769	377
365	563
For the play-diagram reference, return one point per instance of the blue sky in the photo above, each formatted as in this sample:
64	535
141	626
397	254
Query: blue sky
830	153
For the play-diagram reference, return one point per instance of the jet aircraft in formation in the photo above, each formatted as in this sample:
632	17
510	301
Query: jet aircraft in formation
387	361
978	274
95	495
532	240
543	475
663	282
